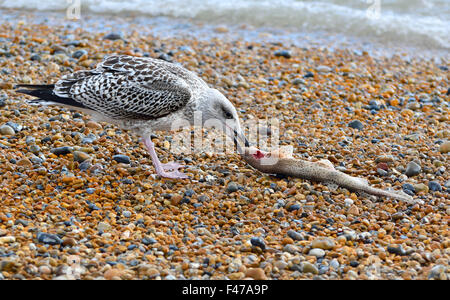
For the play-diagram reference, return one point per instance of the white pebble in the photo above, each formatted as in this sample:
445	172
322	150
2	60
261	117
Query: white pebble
348	202
317	252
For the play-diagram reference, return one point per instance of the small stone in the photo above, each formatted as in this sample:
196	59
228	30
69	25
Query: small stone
21	222
24	162
102	226
122	159
413	106
323	69
382	172
113	36
35	57
47	238
434	186
323	243
256	273
34	149
293	207
420	187
353	210
221	29
334	263
385	159
15	126
447	184
258	242
356	124
445	147
7	239
437	272
298	81
69	242
61	150
283	53
112	274
281	265
412	169
176	199
310	268
348	202
80	157
126	214
94	125
45	270
7	130
289	248
232	187
236	276
317	252
85	165
79	53
408	187
148	241
295	235
152	272
396	250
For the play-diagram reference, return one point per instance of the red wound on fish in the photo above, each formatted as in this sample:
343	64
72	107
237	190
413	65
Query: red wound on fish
258	155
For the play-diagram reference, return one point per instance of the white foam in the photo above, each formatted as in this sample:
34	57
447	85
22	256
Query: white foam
414	22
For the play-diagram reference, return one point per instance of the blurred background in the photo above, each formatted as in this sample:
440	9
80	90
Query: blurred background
418	23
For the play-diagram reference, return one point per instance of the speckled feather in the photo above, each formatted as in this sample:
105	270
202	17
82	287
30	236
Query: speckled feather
127	88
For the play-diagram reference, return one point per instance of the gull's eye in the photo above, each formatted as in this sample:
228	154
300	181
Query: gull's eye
227	114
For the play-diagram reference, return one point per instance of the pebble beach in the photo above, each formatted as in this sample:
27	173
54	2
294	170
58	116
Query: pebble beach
79	198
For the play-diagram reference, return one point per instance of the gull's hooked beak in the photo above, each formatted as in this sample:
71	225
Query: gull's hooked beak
242	137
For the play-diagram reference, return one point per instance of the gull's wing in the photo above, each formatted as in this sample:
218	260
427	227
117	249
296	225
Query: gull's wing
125	87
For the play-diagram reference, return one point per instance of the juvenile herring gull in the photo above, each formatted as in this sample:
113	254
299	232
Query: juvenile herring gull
142	95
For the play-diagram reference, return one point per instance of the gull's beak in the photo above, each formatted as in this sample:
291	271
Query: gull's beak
241	136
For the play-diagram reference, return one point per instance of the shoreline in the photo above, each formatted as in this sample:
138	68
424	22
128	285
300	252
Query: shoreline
165	27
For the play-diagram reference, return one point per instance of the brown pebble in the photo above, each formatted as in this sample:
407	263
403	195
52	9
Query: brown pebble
323	243
94	125
24	162
445	147
69	242
256	273
112	274
353	210
176	199
152	272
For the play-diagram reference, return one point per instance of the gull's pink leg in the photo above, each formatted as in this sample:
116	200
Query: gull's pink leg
161	169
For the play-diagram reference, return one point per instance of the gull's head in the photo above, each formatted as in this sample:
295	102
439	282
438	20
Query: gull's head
217	111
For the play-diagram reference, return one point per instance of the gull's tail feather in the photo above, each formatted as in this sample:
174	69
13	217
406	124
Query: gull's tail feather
45	96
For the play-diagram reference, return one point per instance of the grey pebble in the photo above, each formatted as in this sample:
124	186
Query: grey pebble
412	169
113	36
296	236
61	150
232	187
356	124
47	238
122	159
283	53
258	242
79	53
434	186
